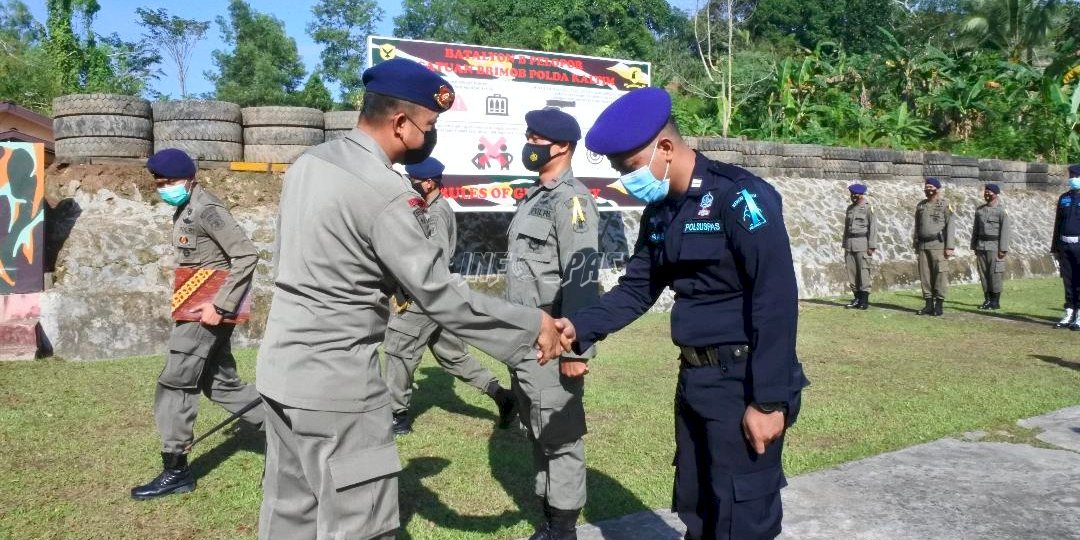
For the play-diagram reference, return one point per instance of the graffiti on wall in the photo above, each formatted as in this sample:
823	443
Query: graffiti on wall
22	217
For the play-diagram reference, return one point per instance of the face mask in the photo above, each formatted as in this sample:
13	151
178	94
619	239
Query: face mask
1074	184
929	192
535	156
855	199
175	195
644	186
416	155
988	197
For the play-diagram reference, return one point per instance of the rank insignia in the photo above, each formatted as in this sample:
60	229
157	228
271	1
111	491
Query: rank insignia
706	205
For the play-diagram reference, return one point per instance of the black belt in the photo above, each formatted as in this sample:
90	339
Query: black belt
981	237
714	355
932	237
864	235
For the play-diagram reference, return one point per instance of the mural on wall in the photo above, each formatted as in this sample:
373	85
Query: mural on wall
22	217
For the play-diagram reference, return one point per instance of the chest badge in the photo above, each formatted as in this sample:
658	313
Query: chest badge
184	240
706	205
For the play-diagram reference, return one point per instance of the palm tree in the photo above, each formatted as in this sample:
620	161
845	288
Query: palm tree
1015	27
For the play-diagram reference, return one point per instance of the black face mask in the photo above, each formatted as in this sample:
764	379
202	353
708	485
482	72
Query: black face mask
855	199
416	155
988	197
929	193
535	156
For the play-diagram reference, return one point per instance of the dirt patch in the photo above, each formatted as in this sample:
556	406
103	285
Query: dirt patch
132	181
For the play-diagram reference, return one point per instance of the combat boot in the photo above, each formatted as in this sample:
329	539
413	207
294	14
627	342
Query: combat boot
854	304
544	527
402	423
864	300
1068	319
927	309
563	524
986	301
995	301
175	477
939	306
505	401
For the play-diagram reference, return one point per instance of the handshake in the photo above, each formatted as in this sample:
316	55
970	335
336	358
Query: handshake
555	339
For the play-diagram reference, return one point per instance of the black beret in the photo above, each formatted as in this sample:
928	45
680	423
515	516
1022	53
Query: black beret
930	180
857	189
429	168
630	122
171	163
1074	170
407	80
553	125
992	188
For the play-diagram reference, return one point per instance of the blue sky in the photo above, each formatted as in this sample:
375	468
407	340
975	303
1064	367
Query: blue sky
119	16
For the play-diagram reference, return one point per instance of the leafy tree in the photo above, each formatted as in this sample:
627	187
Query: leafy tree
175	36
853	24
315	94
18	24
263	67
1015	27
342	27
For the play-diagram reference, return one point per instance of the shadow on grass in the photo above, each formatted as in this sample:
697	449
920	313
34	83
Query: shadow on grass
1067	364
437	390
242	436
873	305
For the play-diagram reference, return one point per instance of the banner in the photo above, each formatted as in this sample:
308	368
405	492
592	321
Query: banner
481	136
22	217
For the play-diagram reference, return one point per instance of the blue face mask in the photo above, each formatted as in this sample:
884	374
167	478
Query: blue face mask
1074	184
174	195
644	186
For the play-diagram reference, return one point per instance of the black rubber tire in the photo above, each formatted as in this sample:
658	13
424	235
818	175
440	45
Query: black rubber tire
840	152
199	130
85	147
725	156
102	125
344	120
204	150
937	158
273	153
908	169
964	161
762	148
283	135
1038	168
840	166
763	161
720	144
221	111
909	157
802	162
282	116
802	150
882	155
335	134
111	104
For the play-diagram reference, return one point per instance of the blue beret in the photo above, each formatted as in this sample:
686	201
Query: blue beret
1074	170
992	188
930	180
429	168
171	163
407	80
553	125
857	189
631	122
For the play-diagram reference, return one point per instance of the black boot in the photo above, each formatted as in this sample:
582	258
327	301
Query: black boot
402	423
927	309
175	477
505	401
545	527
864	300
939	306
563	524
995	301
854	304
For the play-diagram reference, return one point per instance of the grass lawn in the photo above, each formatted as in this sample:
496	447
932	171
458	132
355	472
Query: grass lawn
74	437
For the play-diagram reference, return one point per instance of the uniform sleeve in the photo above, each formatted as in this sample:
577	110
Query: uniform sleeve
237	247
637	290
503	330
753	217
577	231
871	233
1006	231
950	228
444	234
915	229
1055	240
975	231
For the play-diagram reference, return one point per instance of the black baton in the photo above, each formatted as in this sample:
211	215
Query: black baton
224	423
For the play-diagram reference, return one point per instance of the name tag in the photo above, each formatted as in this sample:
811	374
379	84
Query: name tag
702	226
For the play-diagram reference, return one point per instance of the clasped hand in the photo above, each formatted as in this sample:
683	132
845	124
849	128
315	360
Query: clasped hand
557	337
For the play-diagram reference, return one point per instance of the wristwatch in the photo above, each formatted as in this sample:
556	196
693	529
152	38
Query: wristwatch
220	311
771	406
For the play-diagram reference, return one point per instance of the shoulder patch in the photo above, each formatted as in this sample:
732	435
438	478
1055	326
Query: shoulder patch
577	214
753	217
211	216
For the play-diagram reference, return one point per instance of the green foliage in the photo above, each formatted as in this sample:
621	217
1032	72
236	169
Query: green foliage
263	67
1014	27
315	94
342	28
174	35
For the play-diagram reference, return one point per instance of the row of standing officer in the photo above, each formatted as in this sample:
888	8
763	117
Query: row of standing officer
933	241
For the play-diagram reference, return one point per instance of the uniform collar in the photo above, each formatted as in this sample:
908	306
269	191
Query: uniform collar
559	180
700	179
365	141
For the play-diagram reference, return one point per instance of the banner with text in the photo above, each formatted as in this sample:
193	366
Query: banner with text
481	136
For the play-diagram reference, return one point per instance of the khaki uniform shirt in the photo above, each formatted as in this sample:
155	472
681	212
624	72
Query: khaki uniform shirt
351	230
553	259
205	235
934	226
860	227
992	228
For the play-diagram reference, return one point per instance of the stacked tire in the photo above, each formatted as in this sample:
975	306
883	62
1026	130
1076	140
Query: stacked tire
840	163
908	166
722	149
803	161
280	134
965	169
206	130
878	164
101	125
937	165
338	123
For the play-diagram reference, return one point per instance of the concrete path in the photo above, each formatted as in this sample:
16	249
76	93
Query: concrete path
945	490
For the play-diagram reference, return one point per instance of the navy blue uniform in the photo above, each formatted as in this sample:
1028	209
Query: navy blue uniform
723	248
1065	244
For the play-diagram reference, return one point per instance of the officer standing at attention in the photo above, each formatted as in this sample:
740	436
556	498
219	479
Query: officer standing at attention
933	242
352	230
1065	245
200	358
409	330
715	234
553	265
860	242
990	241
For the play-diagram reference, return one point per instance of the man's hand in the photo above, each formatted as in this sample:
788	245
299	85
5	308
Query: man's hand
568	334
949	253
761	428
208	315
549	341
871	251
573	367
1001	254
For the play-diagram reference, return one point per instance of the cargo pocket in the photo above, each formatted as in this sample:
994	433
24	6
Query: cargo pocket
364	466
998	266
367	493
182	370
757	511
562	414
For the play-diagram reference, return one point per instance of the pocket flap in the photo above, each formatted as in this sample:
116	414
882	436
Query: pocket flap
538	256
758	484
399	324
368	464
706	247
535	227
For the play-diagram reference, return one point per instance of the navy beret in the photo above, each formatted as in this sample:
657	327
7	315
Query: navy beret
171	163
631	122
553	125
930	180
429	168
407	80
857	189
1074	170
992	188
